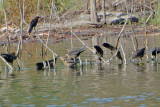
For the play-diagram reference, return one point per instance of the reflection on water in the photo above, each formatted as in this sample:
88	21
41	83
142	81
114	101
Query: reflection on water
93	84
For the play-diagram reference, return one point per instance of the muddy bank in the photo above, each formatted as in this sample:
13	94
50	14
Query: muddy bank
81	26
60	33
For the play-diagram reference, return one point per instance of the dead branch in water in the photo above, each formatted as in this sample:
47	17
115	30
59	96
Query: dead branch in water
120	34
22	17
6	63
46	45
50	24
86	45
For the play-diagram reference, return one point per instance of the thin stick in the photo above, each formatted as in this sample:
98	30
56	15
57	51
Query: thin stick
125	61
113	55
38	8
145	32
18	49
135	48
27	52
80	61
85	45
18	64
50	23
20	7
121	32
49	66
71	39
8	39
46	45
104	12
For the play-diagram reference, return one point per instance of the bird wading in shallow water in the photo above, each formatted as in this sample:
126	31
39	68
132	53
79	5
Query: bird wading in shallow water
9	57
154	51
68	62
33	24
113	50
73	54
139	54
47	63
99	51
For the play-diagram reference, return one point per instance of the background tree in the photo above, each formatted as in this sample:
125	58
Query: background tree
93	11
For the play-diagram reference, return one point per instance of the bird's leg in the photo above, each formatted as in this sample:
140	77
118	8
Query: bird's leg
18	64
28	37
156	56
152	57
75	60
140	62
34	30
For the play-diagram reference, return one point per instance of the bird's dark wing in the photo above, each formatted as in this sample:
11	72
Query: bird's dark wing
6	55
79	52
107	45
75	53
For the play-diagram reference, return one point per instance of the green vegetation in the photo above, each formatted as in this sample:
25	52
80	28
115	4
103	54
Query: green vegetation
31	8
156	17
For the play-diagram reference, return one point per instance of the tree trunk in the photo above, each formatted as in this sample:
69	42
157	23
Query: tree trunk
104	13
93	11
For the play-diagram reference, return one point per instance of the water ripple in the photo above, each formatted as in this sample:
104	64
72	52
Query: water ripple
101	100
21	105
142	105
127	97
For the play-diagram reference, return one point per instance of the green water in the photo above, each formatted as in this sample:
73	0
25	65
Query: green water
108	85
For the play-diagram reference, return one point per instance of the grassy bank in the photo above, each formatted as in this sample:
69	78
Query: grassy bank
33	8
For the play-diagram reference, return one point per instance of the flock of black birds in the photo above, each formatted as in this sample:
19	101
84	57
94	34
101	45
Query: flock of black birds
71	58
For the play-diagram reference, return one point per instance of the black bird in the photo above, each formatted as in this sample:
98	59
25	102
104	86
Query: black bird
33	24
139	53
99	51
9	57
107	45
113	50
73	54
40	65
154	51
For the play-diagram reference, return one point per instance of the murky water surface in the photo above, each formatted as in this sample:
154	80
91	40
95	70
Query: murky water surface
106	85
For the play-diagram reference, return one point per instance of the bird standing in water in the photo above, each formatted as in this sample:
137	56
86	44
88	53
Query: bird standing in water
9	57
155	51
73	54
99	51
33	24
47	63
139	53
68	62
